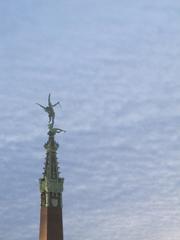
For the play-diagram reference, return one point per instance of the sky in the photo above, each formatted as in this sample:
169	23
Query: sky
114	66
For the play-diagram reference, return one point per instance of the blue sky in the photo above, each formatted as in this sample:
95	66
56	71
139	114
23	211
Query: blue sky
114	65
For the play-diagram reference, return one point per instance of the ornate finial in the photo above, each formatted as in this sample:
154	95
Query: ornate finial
51	114
53	131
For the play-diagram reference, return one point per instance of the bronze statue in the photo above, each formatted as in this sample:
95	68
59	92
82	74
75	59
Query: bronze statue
50	110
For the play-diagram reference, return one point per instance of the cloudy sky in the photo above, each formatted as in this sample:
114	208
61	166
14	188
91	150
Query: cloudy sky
115	67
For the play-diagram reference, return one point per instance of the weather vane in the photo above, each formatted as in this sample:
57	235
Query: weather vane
51	114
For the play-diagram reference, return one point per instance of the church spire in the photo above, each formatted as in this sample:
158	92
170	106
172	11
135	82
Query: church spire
51	184
51	165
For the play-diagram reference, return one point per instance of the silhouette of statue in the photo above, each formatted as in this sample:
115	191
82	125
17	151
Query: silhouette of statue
50	110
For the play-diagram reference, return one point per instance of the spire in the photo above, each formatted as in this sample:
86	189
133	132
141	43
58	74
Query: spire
51	184
51	165
51	181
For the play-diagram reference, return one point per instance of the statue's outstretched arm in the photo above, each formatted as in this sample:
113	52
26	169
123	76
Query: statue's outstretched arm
49	99
56	104
41	106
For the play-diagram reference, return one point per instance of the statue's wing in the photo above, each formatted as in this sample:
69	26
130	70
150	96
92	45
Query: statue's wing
41	106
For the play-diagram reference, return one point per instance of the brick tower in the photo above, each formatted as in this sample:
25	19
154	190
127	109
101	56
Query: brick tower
51	186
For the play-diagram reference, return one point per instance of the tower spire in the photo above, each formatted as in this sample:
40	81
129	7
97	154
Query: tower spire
51	184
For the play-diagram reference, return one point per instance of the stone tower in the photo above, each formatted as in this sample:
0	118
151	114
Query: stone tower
51	188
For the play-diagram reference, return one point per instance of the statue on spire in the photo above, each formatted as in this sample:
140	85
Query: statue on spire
50	110
51	114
